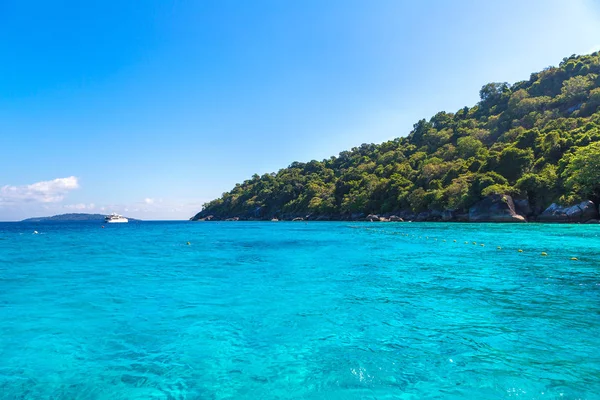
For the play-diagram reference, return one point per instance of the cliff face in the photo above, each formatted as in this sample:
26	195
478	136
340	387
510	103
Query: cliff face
536	142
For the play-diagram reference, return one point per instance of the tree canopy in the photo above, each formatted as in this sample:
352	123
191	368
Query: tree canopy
537	139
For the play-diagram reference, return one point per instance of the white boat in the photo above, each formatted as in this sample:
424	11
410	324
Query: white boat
115	218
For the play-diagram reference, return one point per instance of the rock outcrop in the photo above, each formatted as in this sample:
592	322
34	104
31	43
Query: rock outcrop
448	215
495	208
522	207
582	212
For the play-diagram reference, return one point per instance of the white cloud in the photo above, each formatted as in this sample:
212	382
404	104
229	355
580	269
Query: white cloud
42	192
47	198
80	206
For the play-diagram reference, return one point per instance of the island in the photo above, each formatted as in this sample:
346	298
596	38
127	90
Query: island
71	217
528	151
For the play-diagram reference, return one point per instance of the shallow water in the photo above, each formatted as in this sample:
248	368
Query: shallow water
299	310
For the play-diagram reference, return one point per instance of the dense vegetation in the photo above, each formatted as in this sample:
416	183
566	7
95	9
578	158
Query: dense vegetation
537	139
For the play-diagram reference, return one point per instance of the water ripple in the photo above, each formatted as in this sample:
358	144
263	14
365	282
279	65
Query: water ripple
281	311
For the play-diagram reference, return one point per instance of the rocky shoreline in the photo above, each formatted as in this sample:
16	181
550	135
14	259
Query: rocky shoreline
493	208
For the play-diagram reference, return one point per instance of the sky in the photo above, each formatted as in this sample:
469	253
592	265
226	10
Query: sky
150	109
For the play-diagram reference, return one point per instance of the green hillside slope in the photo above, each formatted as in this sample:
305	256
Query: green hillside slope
537	140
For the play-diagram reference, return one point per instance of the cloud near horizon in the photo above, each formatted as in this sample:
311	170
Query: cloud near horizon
52	191
45	198
80	206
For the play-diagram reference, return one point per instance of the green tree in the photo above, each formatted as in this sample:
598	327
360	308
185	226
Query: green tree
539	188
576	88
513	162
582	174
468	147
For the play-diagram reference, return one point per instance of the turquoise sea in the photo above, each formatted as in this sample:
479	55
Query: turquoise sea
294	310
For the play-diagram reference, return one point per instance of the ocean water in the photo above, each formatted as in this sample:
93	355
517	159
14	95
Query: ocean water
294	310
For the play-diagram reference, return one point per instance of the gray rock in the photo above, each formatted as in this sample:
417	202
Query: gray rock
461	217
372	218
581	212
408	216
395	218
436	214
423	216
523	207
357	216
448	215
554	213
298	219
495	208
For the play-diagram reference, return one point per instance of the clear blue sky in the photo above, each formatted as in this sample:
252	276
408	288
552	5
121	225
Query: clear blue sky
150	108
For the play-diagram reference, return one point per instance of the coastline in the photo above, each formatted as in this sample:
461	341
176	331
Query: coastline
383	220
493	208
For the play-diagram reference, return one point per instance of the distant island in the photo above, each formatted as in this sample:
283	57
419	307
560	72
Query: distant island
71	217
529	151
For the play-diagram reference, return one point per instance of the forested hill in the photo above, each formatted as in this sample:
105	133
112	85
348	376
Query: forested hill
536	140
70	217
